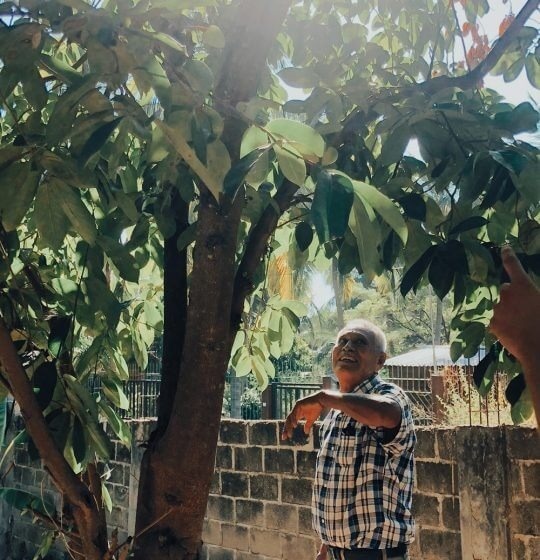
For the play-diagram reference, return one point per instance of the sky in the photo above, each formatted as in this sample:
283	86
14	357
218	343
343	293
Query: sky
515	92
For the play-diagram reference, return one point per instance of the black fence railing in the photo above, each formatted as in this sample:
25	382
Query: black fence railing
283	395
251	411
142	395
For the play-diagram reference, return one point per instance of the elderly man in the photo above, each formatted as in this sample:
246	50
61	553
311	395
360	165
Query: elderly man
365	468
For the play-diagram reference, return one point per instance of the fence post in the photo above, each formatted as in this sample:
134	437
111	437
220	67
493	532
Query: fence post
438	394
266	403
327	383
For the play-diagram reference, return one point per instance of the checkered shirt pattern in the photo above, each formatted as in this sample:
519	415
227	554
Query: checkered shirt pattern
363	485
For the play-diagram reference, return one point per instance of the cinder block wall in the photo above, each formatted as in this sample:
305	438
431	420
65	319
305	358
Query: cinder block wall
477	494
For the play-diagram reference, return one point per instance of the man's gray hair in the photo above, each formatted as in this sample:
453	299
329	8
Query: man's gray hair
379	338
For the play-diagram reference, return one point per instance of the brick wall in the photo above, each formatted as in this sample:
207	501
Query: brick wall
477	494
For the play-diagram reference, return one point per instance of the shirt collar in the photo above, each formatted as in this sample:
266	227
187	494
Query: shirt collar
367	385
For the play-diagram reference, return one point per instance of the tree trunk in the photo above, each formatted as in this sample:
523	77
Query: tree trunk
337	284
174	313
177	468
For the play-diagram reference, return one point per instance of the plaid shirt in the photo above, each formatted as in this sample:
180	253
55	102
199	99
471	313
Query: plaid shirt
363	486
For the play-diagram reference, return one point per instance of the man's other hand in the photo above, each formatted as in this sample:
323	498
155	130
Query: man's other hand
308	409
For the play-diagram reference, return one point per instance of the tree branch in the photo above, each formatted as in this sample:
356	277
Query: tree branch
54	462
255	248
359	118
248	42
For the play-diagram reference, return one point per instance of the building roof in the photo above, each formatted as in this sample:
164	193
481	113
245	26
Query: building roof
433	355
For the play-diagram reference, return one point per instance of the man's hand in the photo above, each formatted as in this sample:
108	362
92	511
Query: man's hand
308	409
516	318
323	553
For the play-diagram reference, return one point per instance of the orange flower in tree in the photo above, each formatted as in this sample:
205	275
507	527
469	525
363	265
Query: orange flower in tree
505	23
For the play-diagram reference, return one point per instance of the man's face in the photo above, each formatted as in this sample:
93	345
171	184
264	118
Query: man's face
355	356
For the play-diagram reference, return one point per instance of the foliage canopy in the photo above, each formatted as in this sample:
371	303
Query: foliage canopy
138	135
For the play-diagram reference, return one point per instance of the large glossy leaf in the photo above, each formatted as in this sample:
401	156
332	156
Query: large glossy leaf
474	222
365	229
532	67
18	187
291	164
118	426
98	138
303	138
299	77
51	220
76	211
340	202
114	392
319	206
383	206
415	272
237	174
523	118
25	500
303	234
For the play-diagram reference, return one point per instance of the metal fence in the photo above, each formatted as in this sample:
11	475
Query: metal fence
446	397
142	395
283	395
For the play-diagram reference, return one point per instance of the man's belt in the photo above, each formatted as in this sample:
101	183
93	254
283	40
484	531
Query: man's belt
367	553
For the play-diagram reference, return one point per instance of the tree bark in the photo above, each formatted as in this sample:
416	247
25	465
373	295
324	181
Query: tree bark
337	283
174	314
177	467
82	503
177	470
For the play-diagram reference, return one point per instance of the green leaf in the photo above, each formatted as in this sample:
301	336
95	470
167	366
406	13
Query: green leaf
414	206
384	207
440	276
364	226
319	206
474	222
299	77
97	139
121	257
78	441
114	392
236	175
76	211
242	367
340	201
59	326
198	75
515	388
213	37
291	164
473	336
51	221
449	260
523	118
118	426
302	137
252	139
415	272
18	187
60	69
483	365
532	68
395	145
25	500
303	234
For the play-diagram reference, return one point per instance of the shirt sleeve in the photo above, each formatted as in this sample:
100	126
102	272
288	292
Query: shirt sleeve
404	438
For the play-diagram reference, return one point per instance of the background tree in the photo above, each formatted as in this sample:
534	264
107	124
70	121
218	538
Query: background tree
136	138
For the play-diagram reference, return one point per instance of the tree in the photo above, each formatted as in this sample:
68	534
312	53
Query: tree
137	137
